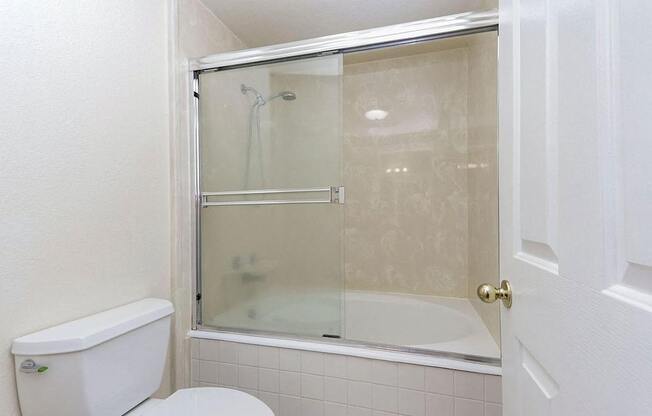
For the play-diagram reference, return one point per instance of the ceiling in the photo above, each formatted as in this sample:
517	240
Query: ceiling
267	22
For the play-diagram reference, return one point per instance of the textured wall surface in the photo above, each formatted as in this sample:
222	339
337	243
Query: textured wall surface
406	177
483	175
306	383
84	164
422	208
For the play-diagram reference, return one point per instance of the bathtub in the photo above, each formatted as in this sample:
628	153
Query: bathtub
425	330
422	322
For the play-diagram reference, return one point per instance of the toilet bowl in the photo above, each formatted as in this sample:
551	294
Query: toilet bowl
206	401
144	407
110	364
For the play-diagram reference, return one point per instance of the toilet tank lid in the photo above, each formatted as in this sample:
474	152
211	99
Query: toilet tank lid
93	330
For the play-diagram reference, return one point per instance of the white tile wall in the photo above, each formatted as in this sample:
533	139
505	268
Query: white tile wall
268	357
440	380
335	390
411	402
290	360
385	372
312	362
227	374
268	380
411	376
306	383
468	385
359	393
439	405
335	365
312	386
290	383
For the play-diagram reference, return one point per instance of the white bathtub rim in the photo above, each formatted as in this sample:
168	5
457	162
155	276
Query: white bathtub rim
351	350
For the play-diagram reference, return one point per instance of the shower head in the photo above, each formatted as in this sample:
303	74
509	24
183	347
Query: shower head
260	100
289	96
286	95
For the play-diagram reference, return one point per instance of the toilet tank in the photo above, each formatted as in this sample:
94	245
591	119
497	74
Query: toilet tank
101	365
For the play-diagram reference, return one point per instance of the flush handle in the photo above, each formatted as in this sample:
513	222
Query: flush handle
489	294
29	366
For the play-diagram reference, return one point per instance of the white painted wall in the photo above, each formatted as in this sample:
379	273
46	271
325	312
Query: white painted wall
84	163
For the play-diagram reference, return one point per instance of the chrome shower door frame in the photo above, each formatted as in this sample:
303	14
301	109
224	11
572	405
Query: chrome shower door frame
377	38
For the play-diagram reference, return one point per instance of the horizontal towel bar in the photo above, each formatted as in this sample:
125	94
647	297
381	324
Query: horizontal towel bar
335	196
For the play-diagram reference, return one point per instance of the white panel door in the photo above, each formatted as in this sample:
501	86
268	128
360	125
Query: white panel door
576	206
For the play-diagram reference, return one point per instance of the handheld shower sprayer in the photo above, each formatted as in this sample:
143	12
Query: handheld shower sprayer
254	129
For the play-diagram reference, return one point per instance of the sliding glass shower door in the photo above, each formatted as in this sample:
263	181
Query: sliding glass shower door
270	181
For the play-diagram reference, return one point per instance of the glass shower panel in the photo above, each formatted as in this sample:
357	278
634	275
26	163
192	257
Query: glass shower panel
420	170
272	223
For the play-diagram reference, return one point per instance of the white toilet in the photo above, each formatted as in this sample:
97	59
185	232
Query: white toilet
109	364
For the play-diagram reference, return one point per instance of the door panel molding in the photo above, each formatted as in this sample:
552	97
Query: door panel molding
631	145
536	164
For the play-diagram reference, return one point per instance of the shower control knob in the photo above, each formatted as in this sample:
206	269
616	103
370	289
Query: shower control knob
489	294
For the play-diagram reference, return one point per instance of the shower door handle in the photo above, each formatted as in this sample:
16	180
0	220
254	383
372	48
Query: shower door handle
489	294
335	196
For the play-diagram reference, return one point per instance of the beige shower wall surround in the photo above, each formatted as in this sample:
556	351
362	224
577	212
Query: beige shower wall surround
419	183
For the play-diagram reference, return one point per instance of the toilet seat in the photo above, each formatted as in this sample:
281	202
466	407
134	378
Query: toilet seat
144	407
210	401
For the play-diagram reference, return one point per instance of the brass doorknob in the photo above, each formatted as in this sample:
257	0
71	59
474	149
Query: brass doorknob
489	294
